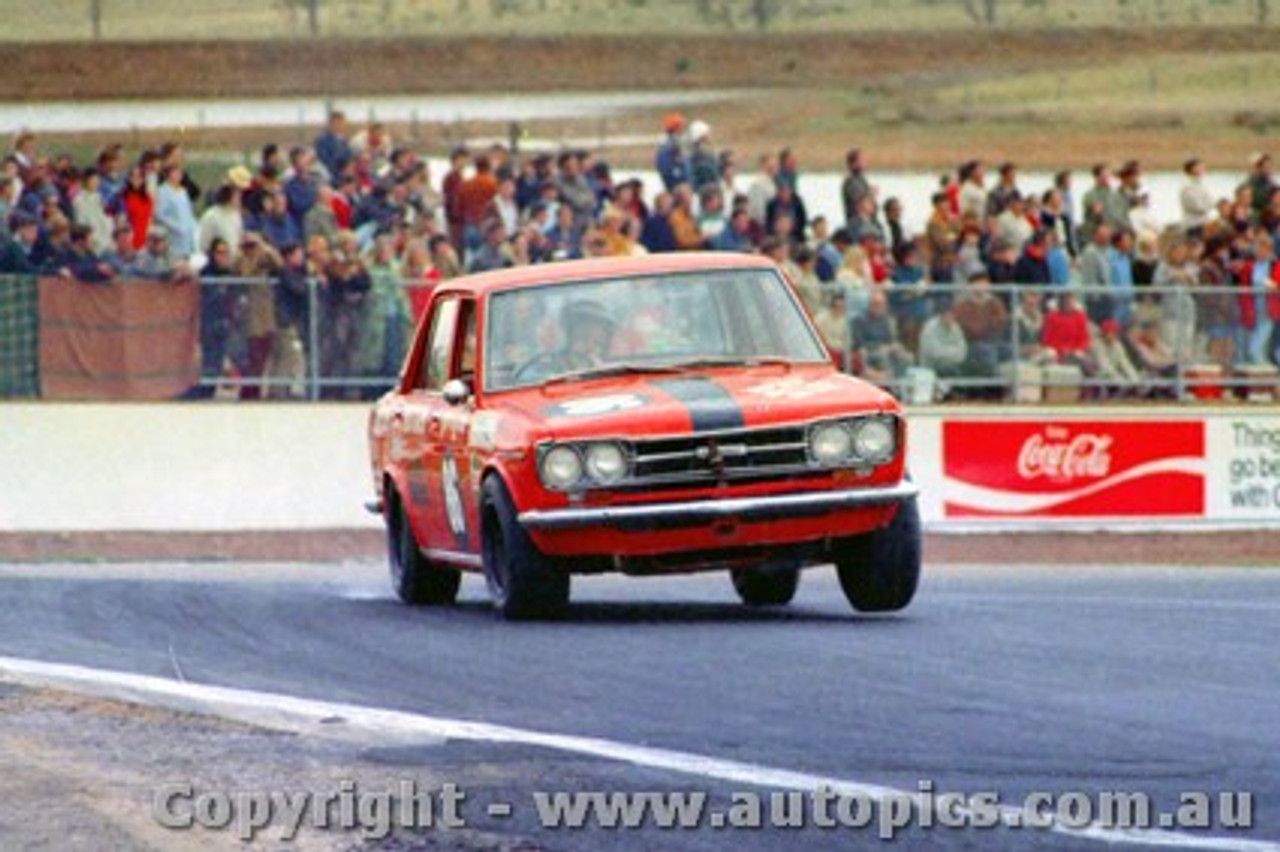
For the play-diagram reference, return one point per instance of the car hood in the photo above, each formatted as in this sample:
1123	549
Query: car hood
695	401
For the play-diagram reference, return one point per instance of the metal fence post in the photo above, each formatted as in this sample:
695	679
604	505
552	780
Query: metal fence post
313	340
1015	351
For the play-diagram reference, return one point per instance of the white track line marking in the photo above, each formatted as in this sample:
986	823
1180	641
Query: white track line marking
321	717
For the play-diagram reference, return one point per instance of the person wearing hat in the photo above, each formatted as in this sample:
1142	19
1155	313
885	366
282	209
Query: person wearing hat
832	322
154	260
257	260
586	335
588	330
1112	357
704	164
764	186
671	159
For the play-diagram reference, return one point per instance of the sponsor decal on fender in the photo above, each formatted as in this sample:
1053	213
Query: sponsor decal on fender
1029	469
595	406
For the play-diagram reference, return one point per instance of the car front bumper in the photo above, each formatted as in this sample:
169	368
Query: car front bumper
692	513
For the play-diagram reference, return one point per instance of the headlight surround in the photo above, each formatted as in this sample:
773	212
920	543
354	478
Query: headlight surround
855	442
831	443
561	468
606	463
588	464
875	440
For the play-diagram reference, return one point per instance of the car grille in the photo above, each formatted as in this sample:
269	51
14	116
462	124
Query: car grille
719	456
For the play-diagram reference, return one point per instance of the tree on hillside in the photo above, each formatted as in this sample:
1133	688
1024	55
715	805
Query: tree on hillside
312	8
1262	11
760	13
764	11
95	18
981	11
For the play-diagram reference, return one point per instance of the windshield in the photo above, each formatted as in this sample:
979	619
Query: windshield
654	322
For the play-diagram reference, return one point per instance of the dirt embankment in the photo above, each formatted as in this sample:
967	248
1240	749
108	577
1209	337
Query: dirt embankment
1236	547
87	71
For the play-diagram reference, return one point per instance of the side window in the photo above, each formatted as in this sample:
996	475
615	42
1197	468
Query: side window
467	343
433	372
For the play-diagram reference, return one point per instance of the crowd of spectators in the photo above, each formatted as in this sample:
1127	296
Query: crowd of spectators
361	220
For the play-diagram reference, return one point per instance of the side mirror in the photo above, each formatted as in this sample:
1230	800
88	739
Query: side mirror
456	392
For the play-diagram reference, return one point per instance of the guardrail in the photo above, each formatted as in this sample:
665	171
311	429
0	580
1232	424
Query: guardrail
1183	342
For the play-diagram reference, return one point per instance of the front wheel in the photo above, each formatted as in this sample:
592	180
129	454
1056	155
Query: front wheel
764	587
523	583
879	570
416	579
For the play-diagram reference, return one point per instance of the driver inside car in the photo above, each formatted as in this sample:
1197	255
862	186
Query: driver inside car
587	331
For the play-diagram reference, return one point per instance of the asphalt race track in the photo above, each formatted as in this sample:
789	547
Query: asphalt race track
1000	678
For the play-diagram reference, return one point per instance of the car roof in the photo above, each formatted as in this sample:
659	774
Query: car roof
483	283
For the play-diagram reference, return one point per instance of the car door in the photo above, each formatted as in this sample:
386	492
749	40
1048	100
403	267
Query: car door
457	497
420	430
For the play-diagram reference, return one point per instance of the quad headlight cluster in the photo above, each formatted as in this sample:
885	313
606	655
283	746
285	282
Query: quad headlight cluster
592	464
864	440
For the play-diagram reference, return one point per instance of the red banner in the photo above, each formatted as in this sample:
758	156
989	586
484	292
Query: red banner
127	340
1070	468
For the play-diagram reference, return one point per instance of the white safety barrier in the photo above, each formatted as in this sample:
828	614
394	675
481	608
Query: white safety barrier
264	466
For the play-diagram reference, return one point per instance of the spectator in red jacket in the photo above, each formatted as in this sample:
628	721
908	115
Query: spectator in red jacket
137	203
1066	332
1260	301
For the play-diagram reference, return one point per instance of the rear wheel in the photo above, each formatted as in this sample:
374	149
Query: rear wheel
523	583
765	587
879	571
416	579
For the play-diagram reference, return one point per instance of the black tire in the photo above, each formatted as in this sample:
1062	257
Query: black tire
523	583
416	579
765	587
879	571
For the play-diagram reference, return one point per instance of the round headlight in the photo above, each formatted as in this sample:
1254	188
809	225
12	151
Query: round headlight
561	468
830	443
875	440
606	463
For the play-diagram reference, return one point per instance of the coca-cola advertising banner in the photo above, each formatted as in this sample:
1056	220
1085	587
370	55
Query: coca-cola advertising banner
1073	469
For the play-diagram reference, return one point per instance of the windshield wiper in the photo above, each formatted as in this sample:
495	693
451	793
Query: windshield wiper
604	370
733	361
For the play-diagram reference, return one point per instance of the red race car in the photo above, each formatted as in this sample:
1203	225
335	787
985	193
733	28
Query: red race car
651	415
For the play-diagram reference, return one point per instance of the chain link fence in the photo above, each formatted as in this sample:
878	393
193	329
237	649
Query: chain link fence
1000	343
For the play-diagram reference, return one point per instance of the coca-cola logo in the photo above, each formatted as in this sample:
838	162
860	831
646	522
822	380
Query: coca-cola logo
1062	457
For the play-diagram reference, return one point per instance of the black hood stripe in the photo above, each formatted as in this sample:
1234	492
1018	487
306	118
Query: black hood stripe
711	407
